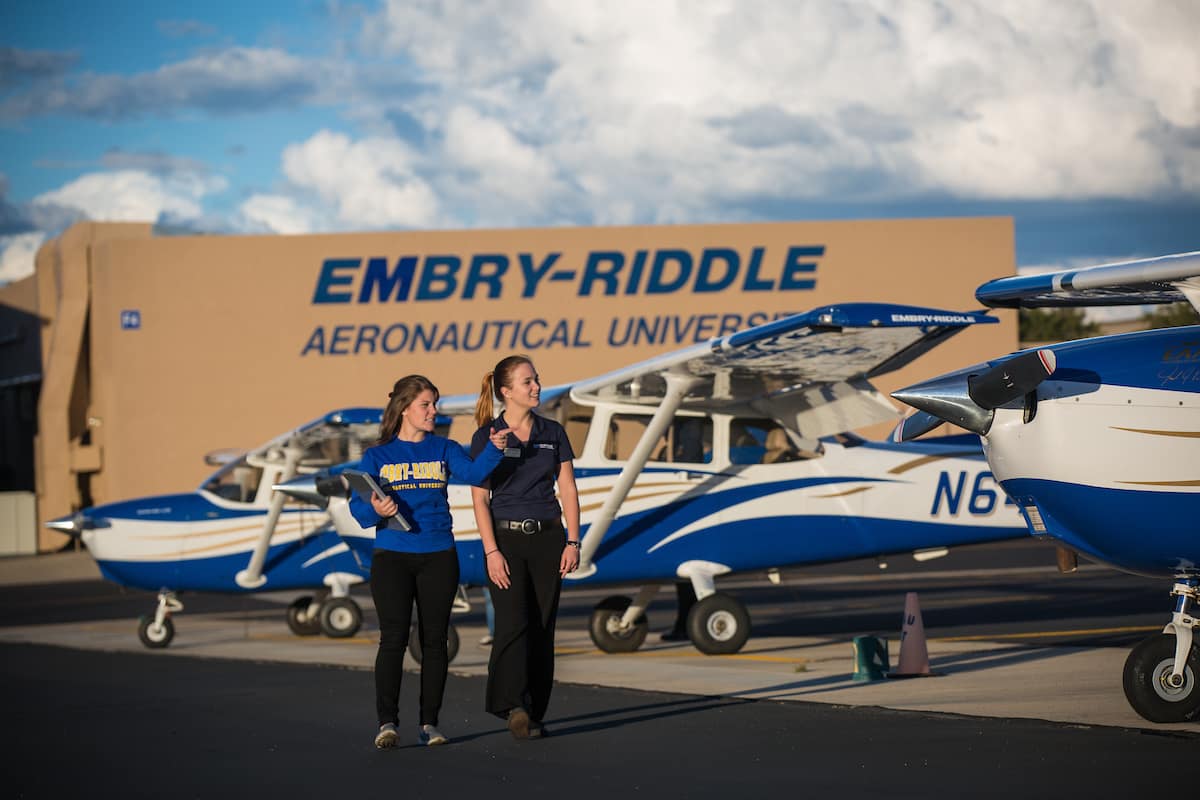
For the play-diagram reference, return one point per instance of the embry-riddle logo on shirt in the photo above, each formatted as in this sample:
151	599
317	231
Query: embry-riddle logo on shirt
413	471
603	273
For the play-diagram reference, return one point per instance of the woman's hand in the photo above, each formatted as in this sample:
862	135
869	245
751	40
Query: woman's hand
569	561
500	438
384	508
497	569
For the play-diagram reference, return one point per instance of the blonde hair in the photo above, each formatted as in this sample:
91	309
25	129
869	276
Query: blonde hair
403	393
493	381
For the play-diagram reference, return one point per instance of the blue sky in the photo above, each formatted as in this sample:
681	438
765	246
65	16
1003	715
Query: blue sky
1079	118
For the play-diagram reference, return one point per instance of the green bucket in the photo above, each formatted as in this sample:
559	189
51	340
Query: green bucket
870	658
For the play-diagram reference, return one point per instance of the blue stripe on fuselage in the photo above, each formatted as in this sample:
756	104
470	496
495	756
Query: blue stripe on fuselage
1151	533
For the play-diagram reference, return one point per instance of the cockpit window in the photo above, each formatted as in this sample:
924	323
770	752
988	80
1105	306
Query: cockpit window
688	439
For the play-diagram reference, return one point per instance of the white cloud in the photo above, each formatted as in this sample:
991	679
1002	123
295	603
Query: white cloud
670	110
370	183
272	213
131	195
17	254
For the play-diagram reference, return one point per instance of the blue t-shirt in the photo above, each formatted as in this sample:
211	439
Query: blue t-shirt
523	485
414	474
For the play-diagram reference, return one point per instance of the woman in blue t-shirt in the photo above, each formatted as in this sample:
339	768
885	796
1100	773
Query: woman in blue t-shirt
527	548
412	466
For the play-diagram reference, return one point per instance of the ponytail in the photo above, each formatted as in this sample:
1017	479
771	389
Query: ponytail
498	378
484	413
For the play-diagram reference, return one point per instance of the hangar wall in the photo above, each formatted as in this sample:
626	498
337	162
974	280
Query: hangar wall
164	348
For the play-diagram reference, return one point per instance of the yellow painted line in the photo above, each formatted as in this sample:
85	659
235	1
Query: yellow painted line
268	637
575	651
1043	634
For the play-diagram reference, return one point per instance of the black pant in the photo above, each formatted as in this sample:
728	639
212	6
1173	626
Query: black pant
521	669
396	579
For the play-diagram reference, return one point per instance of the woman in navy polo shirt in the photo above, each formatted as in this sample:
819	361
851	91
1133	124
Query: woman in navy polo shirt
527	548
412	466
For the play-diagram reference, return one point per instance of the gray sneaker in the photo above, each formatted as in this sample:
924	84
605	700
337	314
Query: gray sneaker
387	736
429	735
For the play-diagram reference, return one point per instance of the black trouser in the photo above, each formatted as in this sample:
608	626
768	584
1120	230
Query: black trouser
521	669
396	579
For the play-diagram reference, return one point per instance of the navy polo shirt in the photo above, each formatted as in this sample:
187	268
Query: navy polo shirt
523	485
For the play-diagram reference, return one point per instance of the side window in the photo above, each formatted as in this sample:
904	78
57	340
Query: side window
748	440
576	426
688	440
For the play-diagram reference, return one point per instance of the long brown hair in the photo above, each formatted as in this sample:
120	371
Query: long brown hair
492	382
401	397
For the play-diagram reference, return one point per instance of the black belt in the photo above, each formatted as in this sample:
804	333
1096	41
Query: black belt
527	525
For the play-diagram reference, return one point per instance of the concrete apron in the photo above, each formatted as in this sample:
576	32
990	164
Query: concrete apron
1059	684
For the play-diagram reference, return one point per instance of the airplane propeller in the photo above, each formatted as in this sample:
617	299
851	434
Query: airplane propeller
1016	377
968	398
914	425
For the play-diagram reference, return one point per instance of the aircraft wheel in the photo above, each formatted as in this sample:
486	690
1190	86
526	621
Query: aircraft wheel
605	626
340	617
1147	685
154	636
719	624
414	644
296	621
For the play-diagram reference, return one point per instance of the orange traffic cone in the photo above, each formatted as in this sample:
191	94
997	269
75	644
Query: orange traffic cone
914	656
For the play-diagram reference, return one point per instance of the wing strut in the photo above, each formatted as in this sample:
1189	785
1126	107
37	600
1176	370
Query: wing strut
251	577
677	387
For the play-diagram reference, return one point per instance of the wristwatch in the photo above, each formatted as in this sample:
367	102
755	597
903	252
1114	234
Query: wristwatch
572	544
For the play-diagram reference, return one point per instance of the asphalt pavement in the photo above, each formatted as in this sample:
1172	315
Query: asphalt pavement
132	725
1026	696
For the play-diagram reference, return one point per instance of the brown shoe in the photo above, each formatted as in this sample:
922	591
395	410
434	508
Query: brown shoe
518	723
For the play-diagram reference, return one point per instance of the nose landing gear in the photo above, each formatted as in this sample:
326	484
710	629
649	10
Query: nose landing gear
1162	674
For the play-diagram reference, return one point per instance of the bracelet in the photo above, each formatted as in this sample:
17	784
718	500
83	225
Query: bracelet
488	553
572	544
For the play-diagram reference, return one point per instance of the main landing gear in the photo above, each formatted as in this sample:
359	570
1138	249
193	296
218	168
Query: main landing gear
718	623
336	617
157	631
1162	673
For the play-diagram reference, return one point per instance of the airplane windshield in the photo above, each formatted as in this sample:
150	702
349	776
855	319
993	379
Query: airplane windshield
761	441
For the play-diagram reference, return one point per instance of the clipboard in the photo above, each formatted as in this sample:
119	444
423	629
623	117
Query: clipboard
365	486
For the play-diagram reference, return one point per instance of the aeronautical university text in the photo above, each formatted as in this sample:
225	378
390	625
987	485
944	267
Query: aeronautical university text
526	334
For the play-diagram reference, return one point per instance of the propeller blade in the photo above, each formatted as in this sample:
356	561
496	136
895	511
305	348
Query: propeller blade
1016	377
915	424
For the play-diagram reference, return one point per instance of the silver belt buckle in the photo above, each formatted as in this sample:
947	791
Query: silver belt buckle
530	526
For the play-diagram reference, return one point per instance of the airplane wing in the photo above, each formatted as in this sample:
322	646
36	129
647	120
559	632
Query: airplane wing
1166	279
811	370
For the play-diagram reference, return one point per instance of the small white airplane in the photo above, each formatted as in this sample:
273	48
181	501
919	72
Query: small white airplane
1098	441
734	456
236	534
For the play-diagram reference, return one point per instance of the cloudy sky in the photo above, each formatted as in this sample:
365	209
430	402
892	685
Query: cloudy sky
1079	118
